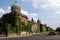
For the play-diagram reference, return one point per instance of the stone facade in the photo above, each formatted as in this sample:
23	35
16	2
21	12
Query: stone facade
34	27
15	17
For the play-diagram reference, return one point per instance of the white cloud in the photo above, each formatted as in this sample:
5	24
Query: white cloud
23	0
8	9
46	3
2	10
33	14
30	15
54	21
58	12
56	15
24	12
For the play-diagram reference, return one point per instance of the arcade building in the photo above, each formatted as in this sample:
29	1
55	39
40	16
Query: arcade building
14	23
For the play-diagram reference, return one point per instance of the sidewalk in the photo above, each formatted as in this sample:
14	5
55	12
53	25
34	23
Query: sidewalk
19	36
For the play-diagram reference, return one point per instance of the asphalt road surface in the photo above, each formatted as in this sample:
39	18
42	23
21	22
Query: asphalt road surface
33	37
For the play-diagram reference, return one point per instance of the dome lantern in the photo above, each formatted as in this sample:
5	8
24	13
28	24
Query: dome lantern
15	7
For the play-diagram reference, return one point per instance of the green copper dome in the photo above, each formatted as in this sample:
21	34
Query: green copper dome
15	5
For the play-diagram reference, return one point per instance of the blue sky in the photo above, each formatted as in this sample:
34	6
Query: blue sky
48	11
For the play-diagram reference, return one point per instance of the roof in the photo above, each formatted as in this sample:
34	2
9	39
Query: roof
15	4
24	16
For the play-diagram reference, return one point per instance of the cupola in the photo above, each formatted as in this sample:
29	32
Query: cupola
15	8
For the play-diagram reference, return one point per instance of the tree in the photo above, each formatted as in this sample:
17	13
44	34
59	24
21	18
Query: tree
38	22
32	20
29	25
58	29
7	18
47	29
41	27
17	24
6	29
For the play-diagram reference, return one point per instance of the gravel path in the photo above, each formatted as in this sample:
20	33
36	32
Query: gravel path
33	37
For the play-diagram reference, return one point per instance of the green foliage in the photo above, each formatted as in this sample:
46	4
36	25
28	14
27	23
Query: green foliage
17	24
13	23
38	21
41	26
47	29
58	29
8	27
29	27
38	29
7	18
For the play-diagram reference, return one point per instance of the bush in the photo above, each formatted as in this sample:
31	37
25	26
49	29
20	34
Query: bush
58	29
52	33
58	33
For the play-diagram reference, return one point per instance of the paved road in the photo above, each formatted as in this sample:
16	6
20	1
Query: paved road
34	37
